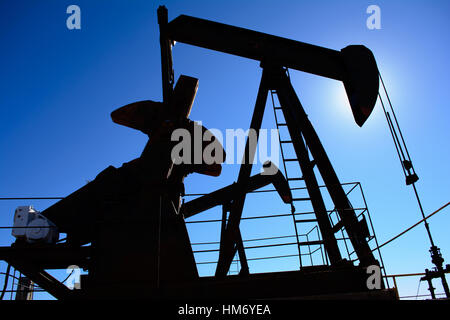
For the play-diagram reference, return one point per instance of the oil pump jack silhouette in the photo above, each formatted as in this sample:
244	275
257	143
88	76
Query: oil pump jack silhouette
127	227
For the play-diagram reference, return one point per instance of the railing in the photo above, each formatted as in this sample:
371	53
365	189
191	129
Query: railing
314	255
276	247
410	297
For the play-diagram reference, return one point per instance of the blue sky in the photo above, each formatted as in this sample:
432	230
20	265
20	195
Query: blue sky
58	87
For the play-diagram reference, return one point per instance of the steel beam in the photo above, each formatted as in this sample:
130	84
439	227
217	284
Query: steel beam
231	233
257	45
43	279
52	257
228	193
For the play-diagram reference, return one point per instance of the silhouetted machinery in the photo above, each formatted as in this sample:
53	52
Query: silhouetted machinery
127	226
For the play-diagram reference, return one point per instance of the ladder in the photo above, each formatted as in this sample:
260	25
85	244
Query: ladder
279	122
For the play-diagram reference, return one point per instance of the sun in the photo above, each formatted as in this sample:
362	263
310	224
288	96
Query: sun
340	102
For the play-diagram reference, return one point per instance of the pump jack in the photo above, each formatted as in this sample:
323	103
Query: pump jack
133	218
354	65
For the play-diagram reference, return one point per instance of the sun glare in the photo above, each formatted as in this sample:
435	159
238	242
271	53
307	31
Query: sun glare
340	100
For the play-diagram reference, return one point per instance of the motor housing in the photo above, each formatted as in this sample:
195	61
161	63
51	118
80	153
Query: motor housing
31	226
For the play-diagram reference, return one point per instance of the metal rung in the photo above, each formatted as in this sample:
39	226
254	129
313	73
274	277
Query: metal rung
310	243
277	108
286	141
337	226
290	159
301	199
282	124
294	179
306	220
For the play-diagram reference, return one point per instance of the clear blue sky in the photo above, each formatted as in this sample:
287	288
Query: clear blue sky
58	87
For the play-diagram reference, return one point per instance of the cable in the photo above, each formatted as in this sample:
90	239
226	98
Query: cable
68	276
391	129
404	157
411	178
33	198
186	195
417	294
413	226
395	117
